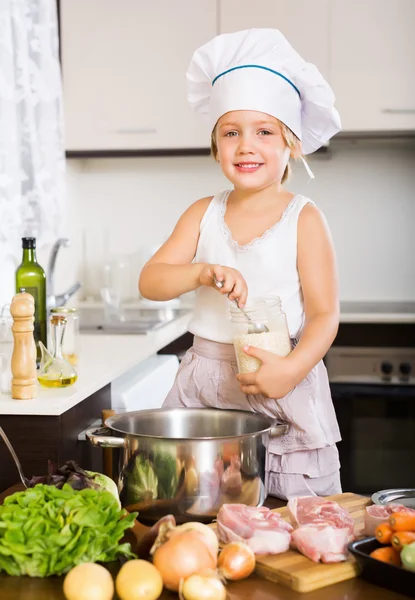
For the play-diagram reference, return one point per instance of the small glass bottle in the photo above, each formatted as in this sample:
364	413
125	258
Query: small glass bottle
277	340
70	350
31	277
54	370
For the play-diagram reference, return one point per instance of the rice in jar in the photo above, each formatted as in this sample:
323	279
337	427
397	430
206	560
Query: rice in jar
277	340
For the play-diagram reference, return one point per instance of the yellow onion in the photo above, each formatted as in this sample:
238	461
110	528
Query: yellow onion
210	536
88	581
236	561
138	580
182	555
202	586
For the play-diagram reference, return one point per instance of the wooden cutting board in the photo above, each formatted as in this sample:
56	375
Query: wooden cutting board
301	574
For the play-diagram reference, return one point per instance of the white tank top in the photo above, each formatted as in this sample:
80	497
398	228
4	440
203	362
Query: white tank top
268	264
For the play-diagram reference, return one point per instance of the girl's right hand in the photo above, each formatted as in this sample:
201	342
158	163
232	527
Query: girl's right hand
233	283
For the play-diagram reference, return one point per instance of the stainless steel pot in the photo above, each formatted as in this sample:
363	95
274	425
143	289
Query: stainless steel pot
189	462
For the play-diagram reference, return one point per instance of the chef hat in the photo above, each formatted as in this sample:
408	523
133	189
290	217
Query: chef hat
257	69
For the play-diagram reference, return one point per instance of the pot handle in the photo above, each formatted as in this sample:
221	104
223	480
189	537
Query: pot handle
102	438
278	430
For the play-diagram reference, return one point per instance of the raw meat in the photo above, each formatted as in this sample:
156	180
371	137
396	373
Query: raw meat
322	542
264	531
323	528
305	510
379	513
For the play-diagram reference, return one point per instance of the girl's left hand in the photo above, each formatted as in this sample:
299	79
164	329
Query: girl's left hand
274	379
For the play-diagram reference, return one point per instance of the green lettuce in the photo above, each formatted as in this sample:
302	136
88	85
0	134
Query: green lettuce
46	531
105	483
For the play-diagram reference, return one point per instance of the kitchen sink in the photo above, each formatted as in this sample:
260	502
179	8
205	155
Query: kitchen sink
132	320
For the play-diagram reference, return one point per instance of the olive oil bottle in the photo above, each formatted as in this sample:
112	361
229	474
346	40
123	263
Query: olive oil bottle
54	370
31	277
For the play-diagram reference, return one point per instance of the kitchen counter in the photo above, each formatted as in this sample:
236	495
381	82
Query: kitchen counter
253	588
377	312
103	358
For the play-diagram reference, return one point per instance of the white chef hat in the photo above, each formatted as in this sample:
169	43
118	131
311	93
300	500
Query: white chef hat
258	69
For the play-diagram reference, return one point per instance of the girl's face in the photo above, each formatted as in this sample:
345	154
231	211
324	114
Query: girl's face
251	149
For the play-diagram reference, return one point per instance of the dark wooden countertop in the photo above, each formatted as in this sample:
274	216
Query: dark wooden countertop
254	588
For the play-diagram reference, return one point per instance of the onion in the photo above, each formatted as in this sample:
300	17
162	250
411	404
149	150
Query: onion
236	561
88	581
182	555
138	580
204	586
210	536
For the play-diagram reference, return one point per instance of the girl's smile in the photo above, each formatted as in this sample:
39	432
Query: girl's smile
247	167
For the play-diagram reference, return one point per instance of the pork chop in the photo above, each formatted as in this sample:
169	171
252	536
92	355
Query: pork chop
322	542
305	510
264	531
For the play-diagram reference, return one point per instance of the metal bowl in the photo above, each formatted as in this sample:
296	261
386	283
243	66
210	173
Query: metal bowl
188	462
405	496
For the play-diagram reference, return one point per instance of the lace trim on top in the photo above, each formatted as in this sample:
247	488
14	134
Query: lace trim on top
245	247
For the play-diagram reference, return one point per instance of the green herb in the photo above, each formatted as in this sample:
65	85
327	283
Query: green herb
46	531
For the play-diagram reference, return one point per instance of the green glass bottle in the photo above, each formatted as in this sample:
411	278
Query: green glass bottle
31	277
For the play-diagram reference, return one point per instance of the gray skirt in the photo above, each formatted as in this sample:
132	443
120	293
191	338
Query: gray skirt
304	461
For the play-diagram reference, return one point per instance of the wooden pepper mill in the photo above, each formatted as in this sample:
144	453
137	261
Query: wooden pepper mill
22	310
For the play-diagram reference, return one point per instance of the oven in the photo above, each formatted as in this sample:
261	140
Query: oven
373	390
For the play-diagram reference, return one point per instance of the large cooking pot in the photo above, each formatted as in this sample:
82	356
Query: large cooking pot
188	462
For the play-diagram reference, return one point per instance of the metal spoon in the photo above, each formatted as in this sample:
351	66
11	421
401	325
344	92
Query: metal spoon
252	326
14	455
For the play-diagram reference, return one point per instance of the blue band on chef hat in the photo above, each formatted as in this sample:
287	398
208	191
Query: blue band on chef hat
257	67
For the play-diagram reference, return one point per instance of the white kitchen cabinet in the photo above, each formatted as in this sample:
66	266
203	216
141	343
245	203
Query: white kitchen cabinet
373	64
124	64
305	24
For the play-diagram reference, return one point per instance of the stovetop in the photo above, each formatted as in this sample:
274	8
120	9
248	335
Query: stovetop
391	366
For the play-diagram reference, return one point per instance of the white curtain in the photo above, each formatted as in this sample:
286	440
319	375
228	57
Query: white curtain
32	159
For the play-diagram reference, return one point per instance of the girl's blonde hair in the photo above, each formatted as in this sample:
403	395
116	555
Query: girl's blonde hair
292	141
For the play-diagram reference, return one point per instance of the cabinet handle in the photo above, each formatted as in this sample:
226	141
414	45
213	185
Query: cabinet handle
135	130
399	111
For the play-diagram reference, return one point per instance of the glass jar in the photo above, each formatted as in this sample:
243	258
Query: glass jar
277	340
71	340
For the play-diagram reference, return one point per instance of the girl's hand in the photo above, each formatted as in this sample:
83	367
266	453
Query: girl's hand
233	282
274	378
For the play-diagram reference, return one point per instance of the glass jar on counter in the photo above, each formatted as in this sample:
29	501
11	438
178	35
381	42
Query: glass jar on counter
277	340
71	339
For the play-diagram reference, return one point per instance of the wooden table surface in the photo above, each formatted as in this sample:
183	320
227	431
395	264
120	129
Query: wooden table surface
254	588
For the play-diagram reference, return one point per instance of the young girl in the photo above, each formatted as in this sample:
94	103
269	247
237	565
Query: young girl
264	105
